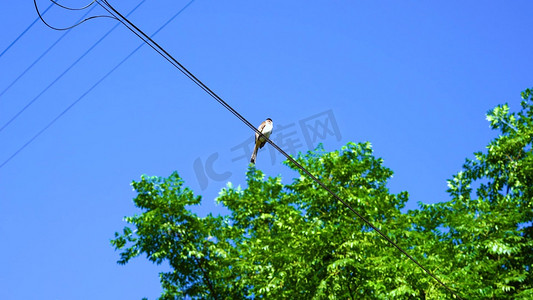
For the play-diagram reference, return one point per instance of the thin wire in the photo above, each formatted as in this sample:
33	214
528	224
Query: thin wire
178	65
70	27
61	114
71	8
162	52
93	86
191	76
25	30
65	71
37	60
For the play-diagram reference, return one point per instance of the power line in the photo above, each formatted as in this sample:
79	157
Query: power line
93	86
176	63
65	71
38	59
69	8
198	82
25	30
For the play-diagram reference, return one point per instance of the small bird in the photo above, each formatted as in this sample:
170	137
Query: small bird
266	129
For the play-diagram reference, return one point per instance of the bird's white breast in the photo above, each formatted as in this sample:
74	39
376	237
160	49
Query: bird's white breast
267	130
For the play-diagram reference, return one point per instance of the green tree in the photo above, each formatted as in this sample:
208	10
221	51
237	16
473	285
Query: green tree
295	241
488	235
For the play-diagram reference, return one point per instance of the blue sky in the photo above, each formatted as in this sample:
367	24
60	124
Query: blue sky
413	78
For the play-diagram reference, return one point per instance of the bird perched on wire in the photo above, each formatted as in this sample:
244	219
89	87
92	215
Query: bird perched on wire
266	129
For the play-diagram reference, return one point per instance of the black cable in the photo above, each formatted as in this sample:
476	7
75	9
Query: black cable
198	82
70	27
71	8
176	63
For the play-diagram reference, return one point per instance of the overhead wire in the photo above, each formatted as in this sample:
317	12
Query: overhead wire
24	31
69	27
64	72
72	8
34	137
174	62
132	27
37	60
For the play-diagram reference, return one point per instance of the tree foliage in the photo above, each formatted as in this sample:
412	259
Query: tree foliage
294	241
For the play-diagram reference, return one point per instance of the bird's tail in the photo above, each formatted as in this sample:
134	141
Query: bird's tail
254	154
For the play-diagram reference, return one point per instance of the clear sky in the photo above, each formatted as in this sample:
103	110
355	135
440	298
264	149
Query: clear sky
414	78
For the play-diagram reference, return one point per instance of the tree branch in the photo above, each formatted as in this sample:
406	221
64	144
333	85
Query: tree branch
206	278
